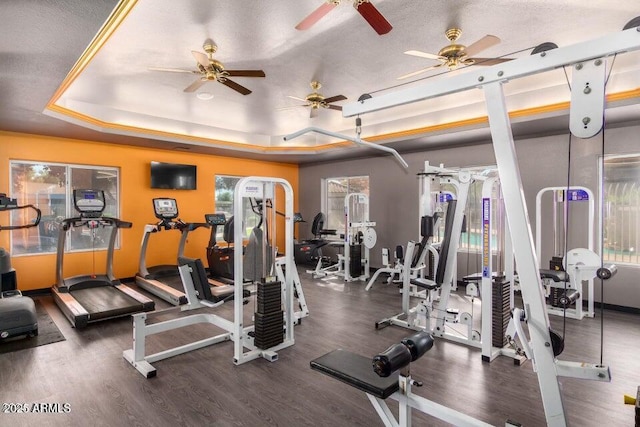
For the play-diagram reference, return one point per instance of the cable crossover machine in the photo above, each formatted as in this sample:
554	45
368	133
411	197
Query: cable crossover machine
542	345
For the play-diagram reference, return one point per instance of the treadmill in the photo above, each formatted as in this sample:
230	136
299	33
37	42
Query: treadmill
164	280
90	298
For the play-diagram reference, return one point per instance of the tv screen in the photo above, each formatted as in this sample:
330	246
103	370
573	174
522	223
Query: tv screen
171	176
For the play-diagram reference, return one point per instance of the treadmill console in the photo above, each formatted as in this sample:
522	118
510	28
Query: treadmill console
90	203
215	219
165	209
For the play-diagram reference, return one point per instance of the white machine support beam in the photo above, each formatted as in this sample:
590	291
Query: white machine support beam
491	80
625	41
530	283
262	188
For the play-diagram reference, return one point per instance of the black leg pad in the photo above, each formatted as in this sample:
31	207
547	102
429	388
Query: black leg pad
357	371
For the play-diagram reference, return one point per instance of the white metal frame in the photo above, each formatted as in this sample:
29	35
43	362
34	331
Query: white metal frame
342	267
419	317
408	401
491	81
490	195
137	356
577	312
262	187
234	330
298	293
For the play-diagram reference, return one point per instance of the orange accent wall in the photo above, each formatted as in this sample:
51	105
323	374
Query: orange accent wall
38	271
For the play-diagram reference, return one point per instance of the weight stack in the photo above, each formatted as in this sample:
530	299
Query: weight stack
355	260
555	293
500	313
269	317
431	266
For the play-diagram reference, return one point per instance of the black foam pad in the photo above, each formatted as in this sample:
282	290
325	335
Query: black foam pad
446	240
555	275
395	357
418	344
355	370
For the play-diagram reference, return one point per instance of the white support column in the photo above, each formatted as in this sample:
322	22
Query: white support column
522	238
486	283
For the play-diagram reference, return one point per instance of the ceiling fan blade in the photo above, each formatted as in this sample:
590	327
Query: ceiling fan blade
335	107
425	55
195	85
374	18
291	107
484	43
335	99
315	16
235	86
173	70
246	73
415	73
313	113
489	61
296	98
201	58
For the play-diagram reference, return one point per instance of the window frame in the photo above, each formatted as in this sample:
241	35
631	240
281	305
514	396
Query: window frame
602	207
68	198
325	200
247	214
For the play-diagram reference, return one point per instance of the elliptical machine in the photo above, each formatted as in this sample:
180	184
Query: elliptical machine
17	312
310	251
220	259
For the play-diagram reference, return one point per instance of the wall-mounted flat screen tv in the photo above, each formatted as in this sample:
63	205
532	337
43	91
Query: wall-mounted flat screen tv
172	176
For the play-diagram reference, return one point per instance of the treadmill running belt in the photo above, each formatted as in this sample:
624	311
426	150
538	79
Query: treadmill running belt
105	302
174	281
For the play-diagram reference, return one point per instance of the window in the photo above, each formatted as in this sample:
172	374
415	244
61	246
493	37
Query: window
49	187
621	207
334	192
224	187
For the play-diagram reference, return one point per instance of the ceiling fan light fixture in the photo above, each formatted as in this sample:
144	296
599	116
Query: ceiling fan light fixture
204	96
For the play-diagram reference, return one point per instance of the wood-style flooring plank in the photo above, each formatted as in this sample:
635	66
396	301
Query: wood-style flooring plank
204	387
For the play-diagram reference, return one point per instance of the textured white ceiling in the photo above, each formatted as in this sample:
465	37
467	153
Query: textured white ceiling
341	51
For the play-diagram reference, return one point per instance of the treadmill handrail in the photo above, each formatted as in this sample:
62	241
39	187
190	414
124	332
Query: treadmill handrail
170	224
102	221
68	223
11	207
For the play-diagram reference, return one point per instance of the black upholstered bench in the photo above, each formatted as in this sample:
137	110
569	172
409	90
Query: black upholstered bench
356	371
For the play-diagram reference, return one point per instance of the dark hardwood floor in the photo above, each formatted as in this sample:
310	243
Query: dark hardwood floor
204	387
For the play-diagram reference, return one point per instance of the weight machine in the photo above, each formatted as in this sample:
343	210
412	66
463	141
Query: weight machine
586	120
274	318
565	292
497	284
358	239
437	290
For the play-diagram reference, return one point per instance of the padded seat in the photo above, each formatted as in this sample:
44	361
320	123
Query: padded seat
427	284
555	275
357	371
